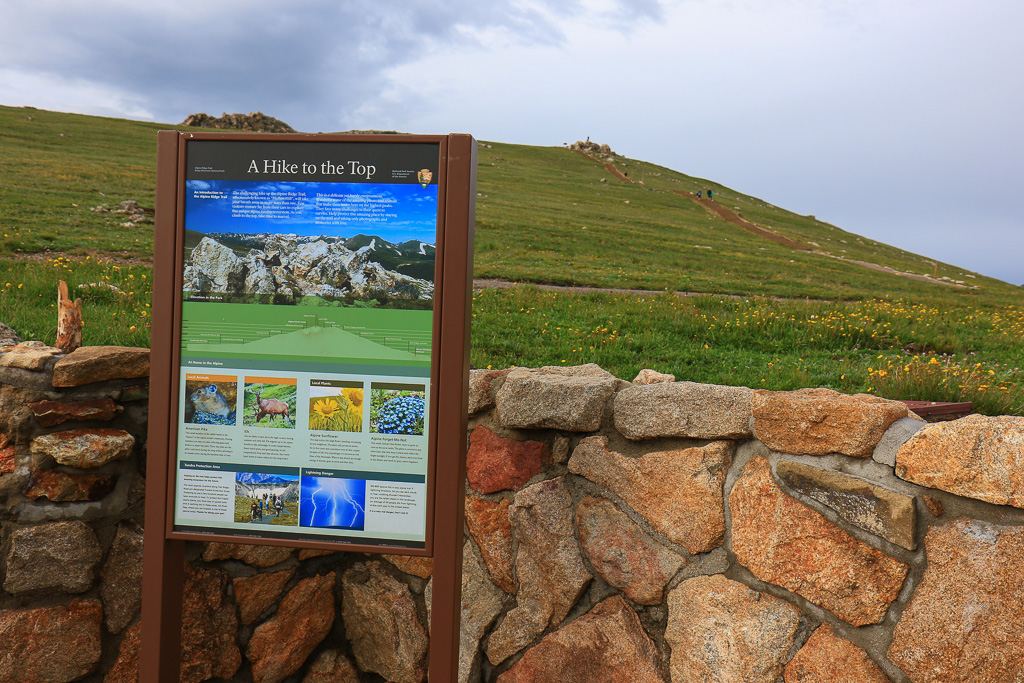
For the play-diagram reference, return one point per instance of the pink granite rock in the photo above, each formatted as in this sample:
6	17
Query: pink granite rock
50	413
976	456
480	395
50	643
549	566
679	492
255	594
625	556
61	487
422	567
380	620
606	645
255	555
720	630
31	355
126	666
208	627
121	578
332	666
85	448
648	376
482	601
684	409
89	364
496	464
784	542
963	623
280	646
571	399
56	557
491	529
6	454
822	421
827	658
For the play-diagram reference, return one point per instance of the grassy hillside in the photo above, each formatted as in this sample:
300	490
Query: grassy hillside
555	216
56	166
552	215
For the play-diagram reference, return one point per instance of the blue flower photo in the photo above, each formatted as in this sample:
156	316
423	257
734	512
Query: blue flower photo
397	411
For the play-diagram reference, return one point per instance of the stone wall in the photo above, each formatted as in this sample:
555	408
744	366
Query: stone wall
72	434
647	531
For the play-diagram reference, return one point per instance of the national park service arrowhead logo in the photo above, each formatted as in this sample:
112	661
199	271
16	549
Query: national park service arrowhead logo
424	176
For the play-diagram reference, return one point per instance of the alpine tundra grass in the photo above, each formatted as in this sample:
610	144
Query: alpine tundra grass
782	300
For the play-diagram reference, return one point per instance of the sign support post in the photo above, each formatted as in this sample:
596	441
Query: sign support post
449	510
163	559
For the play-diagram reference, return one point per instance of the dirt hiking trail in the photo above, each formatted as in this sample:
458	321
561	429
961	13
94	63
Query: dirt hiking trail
729	216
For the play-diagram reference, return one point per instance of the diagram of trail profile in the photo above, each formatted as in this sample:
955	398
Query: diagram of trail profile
313	342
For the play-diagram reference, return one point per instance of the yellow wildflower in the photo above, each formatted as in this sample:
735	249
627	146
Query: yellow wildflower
354	395
326	407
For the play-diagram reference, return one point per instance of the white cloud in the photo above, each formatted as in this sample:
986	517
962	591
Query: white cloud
56	92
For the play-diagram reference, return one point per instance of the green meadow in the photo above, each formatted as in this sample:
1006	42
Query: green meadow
799	308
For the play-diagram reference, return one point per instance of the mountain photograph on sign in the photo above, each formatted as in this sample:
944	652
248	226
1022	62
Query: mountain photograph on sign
310	243
315	270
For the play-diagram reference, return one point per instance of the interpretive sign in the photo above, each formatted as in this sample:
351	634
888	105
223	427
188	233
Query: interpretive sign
308	295
309	364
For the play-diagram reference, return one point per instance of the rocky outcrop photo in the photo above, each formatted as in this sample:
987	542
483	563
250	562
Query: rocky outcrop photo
289	268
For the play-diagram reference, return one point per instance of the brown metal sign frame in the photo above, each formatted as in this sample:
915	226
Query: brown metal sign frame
163	565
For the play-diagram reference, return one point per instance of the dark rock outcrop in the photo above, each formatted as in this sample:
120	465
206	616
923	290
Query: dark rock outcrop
256	122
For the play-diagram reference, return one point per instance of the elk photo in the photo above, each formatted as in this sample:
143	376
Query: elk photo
270	405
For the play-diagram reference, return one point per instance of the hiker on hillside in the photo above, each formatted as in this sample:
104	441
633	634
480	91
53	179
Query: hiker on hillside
711	194
698	194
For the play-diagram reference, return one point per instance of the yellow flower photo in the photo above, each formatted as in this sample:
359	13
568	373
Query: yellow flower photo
335	407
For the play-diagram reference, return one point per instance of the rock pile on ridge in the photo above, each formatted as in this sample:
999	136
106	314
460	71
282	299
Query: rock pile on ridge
591	148
257	122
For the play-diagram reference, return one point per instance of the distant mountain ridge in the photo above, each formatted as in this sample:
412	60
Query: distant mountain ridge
260	478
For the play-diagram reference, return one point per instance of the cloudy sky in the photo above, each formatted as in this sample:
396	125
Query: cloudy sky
900	120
